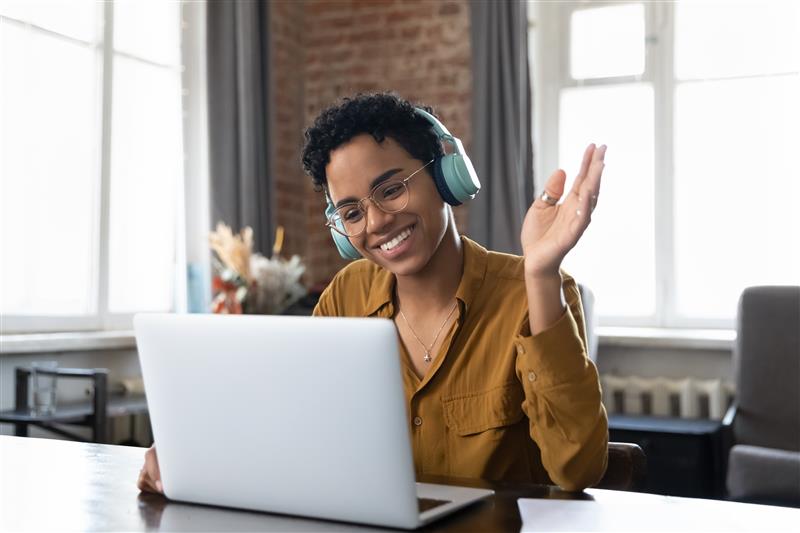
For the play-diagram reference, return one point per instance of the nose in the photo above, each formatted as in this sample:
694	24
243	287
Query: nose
377	219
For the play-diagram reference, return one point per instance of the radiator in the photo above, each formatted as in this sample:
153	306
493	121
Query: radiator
685	398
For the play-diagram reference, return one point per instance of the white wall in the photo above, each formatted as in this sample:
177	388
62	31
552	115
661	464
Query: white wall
665	362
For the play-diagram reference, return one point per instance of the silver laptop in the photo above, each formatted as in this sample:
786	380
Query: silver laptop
293	415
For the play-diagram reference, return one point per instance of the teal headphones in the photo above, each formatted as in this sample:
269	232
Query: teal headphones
453	174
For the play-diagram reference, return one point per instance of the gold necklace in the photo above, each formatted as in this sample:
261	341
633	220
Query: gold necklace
428	349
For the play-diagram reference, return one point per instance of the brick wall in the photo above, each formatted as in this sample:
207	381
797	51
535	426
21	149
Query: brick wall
286	26
326	49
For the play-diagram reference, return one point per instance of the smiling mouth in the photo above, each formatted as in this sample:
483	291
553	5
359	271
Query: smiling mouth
403	235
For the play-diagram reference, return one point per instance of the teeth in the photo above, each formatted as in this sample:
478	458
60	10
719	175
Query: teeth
397	240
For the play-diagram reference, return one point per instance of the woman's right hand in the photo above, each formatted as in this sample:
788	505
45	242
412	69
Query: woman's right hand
150	476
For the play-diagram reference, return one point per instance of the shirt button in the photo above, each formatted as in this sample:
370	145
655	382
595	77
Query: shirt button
417	421
520	349
531	376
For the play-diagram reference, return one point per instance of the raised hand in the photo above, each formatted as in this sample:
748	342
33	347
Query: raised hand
553	226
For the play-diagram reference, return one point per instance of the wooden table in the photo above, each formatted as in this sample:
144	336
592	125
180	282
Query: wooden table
70	486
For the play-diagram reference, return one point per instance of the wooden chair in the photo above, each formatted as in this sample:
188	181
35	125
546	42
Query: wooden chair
627	467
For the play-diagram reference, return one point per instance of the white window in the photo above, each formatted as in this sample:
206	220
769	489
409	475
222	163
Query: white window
91	162
698	103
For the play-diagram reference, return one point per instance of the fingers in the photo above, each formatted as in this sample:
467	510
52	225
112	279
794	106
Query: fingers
150	475
588	183
144	483
585	199
583	211
553	189
588	155
591	185
581	216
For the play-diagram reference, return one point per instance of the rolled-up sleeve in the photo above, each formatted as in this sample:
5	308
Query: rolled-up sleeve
563	398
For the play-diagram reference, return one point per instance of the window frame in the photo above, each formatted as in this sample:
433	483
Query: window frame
193	179
549	29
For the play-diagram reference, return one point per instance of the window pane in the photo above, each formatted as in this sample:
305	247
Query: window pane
48	175
75	18
149	29
616	256
146	170
736	190
724	39
607	41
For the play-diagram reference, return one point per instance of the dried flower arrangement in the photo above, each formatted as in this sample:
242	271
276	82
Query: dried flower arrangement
247	282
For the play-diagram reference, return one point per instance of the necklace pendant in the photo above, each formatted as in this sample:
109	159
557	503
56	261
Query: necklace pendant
427	357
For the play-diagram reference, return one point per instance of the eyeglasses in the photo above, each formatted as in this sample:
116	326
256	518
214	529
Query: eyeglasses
390	196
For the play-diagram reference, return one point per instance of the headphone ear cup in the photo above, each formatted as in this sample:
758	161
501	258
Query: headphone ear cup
440	180
455	178
454	175
344	246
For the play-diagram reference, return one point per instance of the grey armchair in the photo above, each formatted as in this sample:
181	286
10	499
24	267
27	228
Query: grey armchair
764	462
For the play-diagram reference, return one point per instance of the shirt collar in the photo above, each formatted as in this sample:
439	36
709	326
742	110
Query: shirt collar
475	259
380	294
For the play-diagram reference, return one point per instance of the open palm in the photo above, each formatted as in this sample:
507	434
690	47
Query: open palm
549	232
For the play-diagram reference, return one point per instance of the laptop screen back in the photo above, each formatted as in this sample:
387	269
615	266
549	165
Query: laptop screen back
293	415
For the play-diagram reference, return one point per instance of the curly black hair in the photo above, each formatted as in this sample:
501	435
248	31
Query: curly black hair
381	115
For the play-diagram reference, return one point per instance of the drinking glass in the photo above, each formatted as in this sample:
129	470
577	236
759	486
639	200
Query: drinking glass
44	387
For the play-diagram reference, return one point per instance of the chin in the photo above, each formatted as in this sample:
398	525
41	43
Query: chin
412	262
406	267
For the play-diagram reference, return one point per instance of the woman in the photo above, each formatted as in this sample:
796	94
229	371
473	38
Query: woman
495	370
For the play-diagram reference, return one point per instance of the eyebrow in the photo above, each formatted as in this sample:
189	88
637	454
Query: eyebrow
377	181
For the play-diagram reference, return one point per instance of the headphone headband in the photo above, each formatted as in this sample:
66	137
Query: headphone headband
439	128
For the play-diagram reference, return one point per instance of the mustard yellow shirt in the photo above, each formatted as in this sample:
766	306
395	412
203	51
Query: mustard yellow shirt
498	403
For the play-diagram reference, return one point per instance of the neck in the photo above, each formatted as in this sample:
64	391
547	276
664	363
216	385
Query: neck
433	288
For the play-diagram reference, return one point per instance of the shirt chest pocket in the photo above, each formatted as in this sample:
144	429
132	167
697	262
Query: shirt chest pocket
487	412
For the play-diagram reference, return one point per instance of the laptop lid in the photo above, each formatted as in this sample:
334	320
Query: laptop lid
292	415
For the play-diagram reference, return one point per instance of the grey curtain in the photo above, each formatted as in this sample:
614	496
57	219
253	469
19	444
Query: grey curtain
239	137
501	122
